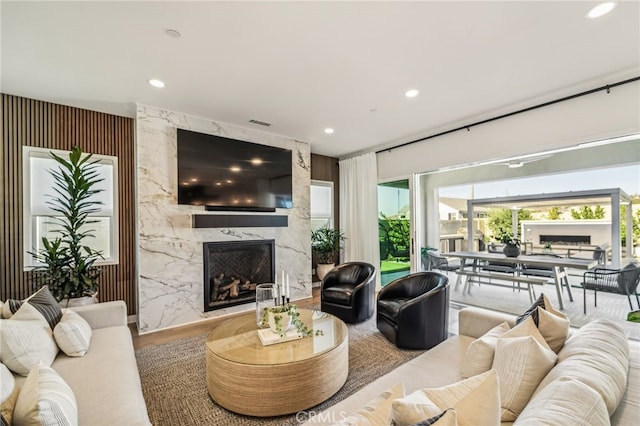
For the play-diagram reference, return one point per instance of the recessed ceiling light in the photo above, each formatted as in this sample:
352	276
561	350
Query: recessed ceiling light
235	169
256	161
172	33
411	93
601	9
328	131
156	83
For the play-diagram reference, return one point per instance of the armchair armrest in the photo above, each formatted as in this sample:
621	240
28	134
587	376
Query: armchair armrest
475	322
102	315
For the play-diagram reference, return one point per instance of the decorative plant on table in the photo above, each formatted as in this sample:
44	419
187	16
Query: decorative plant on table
284	315
511	245
69	263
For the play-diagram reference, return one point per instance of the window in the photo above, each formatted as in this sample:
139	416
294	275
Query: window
38	191
321	204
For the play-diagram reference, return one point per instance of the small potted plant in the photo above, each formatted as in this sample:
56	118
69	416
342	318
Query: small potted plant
511	245
325	244
281	318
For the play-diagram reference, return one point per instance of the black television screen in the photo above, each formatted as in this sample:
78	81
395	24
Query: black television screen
229	174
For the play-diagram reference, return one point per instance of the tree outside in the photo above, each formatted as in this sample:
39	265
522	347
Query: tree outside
500	222
554	213
635	218
586	212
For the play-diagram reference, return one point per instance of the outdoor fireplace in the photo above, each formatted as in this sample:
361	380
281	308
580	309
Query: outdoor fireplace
568	240
232	269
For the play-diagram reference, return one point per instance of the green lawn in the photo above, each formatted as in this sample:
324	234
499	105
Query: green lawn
390	266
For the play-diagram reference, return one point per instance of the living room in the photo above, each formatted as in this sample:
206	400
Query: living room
332	78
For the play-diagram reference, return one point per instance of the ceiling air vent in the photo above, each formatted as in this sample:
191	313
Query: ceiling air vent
261	123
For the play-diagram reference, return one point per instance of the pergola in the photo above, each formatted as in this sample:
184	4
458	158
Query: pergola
615	197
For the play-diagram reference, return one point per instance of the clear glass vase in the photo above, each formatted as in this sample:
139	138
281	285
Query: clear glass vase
265	298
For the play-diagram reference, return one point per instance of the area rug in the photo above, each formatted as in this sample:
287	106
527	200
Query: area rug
174	386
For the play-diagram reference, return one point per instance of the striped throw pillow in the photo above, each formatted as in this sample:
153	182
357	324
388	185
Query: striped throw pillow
45	399
26	339
72	334
42	300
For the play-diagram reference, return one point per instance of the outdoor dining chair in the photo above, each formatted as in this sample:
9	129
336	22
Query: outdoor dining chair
619	281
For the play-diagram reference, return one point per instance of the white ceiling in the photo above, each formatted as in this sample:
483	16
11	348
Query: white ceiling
304	66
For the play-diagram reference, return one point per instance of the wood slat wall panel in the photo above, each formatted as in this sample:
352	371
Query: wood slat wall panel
42	124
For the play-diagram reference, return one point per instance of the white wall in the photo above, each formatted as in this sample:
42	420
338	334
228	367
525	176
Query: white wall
591	117
170	270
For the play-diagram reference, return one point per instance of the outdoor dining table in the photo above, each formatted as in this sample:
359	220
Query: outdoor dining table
559	266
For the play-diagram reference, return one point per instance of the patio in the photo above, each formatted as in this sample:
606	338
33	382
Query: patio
612	306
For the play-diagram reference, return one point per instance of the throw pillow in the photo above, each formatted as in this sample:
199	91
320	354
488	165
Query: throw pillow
45	399
72	334
25	342
479	355
476	401
8	394
521	363
597	355
447	418
10	307
377	411
565	401
553	325
42	300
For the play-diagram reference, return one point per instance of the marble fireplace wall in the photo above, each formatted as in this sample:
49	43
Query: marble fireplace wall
170	271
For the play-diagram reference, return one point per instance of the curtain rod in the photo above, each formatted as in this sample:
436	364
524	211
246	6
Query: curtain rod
520	111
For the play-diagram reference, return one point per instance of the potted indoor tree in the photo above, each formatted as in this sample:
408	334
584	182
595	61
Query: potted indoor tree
325	244
68	268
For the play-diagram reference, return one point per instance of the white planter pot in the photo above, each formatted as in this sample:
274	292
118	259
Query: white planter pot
285	321
323	269
79	301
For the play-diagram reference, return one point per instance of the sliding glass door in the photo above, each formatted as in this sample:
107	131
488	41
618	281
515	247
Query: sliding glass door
395	229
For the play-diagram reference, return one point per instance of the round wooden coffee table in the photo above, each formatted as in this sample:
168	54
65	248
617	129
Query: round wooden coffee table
246	377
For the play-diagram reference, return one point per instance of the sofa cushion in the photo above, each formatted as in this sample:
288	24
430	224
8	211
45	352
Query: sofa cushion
553	325
376	411
476	401
597	355
26	339
565	401
521	363
8	394
106	380
479	355
45	399
72	334
44	303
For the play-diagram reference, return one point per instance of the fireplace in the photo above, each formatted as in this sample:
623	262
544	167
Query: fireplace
568	240
232	269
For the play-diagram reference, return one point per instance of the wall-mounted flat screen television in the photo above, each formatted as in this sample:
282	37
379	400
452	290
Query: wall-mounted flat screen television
228	174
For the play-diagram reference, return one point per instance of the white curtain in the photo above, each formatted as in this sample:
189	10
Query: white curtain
359	210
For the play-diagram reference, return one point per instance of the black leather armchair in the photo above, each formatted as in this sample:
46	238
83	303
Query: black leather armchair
413	311
348	291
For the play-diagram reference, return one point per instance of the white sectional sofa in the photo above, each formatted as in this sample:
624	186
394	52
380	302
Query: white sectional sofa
105	381
583	359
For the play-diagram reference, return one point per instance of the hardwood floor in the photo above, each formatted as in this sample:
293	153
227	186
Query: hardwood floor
163	336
